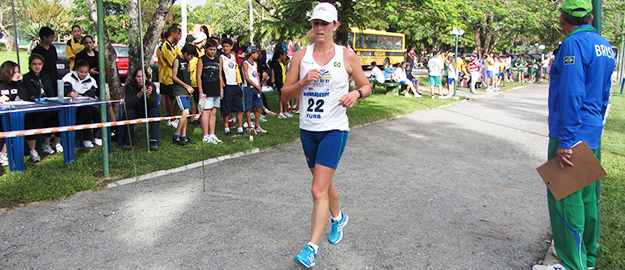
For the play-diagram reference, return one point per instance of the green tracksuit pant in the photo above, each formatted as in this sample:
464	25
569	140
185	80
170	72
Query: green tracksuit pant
575	222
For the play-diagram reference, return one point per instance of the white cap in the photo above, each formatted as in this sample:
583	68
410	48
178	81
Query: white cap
325	12
199	37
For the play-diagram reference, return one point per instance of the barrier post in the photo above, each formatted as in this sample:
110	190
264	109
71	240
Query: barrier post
102	86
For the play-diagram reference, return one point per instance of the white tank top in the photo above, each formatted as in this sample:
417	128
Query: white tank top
252	73
229	69
319	101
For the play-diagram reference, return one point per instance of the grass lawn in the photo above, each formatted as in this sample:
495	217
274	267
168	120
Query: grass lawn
612	252
6	56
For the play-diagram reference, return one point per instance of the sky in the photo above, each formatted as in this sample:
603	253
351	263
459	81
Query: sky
193	3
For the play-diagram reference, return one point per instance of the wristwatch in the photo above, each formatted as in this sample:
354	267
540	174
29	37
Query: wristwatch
360	92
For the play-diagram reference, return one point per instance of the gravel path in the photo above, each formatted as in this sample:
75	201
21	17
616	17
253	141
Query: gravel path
449	188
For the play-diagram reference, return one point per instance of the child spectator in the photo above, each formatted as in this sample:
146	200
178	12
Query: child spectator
376	73
38	85
389	74
74	46
182	91
450	67
78	83
135	107
278	77
252	100
231	83
91	56
48	51
210	86
403	79
12	88
490	71
435	72
166	54
199	40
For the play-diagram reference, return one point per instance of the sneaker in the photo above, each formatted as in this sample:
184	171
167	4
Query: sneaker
98	142
153	146
58	147
245	125
178	140
336	234
241	133
407	95
260	130
289	109
433	96
173	123
229	134
231	123
282	116
268	112
206	138
288	115
34	156
306	257
418	95
296	109
262	119
188	140
47	149
87	144
549	267
4	159
215	138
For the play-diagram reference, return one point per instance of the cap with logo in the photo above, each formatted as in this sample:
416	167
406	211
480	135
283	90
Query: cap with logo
250	50
325	12
577	8
199	37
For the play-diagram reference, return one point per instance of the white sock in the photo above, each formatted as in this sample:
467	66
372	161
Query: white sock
240	129
315	247
212	134
339	218
227	129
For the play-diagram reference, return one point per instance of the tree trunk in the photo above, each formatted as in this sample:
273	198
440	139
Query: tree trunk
152	34
110	66
488	33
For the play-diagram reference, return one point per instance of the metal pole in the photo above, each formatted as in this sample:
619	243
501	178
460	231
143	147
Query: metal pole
183	11
251	23
102	86
456	64
596	12
145	99
17	43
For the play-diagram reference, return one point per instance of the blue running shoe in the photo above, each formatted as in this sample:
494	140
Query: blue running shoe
336	234
306	257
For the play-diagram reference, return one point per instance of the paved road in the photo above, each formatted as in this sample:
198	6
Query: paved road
450	188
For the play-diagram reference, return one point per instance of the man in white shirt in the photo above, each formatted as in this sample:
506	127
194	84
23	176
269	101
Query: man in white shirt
435	72
376	73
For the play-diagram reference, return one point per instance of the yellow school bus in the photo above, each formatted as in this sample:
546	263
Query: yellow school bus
380	46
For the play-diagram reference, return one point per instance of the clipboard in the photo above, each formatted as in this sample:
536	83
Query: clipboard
564	182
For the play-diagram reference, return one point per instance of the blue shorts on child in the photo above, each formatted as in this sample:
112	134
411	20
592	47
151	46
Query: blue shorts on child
183	102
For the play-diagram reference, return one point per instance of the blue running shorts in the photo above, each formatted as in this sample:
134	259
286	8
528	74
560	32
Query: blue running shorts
183	102
489	73
323	147
450	80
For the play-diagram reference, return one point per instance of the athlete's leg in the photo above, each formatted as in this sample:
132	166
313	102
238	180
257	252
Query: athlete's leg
325	198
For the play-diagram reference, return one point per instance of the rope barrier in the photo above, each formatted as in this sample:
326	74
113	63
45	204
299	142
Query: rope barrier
8	134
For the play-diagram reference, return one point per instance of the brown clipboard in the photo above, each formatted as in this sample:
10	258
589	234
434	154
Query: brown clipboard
566	181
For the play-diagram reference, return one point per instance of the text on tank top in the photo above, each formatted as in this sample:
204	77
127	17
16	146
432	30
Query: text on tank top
320	110
210	69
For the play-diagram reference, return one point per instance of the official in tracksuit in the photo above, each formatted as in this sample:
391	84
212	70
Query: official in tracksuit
578	98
